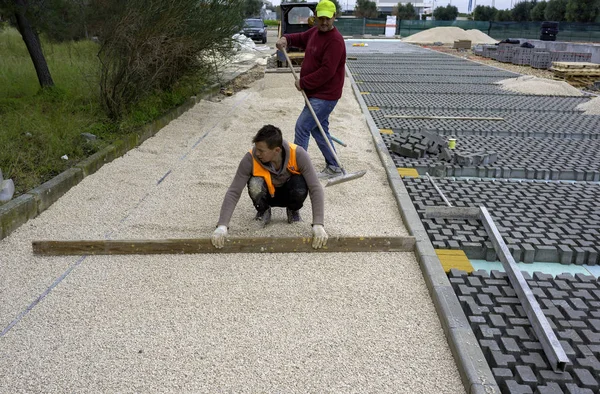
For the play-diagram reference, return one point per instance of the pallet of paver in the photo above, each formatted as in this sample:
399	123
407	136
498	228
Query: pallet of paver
522	56
541	59
505	52
462	44
489	50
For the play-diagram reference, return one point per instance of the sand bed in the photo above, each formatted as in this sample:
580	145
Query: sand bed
226	322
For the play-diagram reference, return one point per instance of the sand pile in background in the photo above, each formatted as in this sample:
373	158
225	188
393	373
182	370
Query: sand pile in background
447	35
529	84
592	107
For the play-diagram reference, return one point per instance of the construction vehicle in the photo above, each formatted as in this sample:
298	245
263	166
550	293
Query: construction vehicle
295	18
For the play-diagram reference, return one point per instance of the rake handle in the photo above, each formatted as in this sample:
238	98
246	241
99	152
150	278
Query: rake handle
312	111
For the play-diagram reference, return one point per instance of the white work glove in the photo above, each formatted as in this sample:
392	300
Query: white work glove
319	236
281	44
218	237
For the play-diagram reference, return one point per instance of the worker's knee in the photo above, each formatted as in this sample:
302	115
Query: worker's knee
298	190
257	188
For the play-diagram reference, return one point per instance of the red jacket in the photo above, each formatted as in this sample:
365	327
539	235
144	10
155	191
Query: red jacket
324	66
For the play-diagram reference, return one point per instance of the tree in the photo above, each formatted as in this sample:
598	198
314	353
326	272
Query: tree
148	45
365	9
252	8
555	10
582	10
503	16
521	12
406	12
484	13
21	12
447	13
538	12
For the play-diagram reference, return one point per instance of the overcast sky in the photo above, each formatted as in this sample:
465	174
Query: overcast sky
461	4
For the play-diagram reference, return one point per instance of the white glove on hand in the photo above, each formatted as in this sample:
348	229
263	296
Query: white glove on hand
218	237
319	236
281	44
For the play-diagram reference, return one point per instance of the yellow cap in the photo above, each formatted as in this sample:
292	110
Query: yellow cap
325	8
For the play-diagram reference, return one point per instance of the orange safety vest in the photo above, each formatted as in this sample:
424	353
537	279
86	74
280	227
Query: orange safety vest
259	170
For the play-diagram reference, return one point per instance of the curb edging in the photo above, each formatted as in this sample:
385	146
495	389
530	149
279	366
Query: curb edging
27	206
474	370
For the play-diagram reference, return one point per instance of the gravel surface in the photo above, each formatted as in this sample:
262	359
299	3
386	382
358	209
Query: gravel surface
231	322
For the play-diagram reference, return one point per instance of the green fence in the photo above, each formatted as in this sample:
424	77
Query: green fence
580	32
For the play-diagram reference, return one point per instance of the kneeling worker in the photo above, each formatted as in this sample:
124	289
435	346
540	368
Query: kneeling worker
278	174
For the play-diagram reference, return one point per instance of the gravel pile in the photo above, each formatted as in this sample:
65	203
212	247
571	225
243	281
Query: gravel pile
447	35
592	107
224	322
529	84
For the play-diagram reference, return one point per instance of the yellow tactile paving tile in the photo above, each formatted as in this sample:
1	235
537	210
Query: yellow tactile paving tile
412	172
451	258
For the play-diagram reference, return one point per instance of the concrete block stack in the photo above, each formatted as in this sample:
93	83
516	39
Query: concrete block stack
505	52
541	59
489	51
522	56
418	144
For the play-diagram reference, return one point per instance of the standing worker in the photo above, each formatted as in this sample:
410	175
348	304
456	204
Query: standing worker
278	174
322	79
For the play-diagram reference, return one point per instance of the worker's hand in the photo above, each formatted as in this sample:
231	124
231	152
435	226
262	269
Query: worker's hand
281	44
297	83
319	236
218	237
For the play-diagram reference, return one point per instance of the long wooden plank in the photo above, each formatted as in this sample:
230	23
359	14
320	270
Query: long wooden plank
232	245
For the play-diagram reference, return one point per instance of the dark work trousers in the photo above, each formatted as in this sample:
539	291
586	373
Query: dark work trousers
290	195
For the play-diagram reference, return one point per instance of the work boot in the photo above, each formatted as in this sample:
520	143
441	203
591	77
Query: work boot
330	172
264	217
293	216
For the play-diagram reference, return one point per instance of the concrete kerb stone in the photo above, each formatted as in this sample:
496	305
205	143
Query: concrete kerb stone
16	212
476	374
27	206
49	192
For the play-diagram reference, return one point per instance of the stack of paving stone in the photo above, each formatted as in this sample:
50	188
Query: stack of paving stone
419	144
490	50
572	306
505	52
522	55
541	59
564	56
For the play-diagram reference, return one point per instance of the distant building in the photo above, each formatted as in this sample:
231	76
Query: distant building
386	7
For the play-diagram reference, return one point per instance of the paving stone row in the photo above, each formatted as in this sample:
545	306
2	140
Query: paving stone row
552	221
416	70
429	88
572	125
496	103
572	306
432	68
517	157
424	78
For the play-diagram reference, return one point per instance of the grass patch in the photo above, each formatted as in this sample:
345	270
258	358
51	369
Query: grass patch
39	127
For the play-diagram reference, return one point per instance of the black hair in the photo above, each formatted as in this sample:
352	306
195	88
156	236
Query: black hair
271	135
